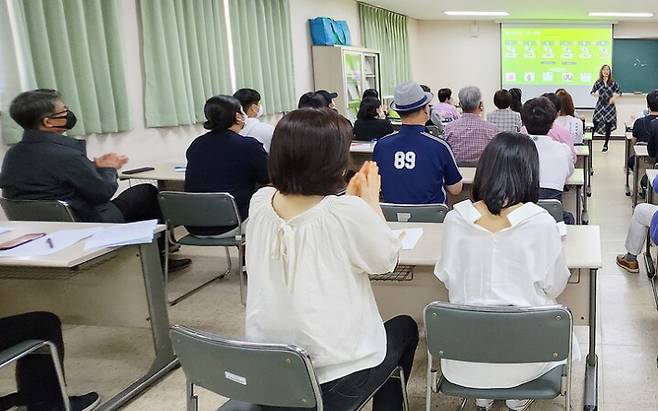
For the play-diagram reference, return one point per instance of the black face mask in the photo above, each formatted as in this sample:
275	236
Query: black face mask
71	119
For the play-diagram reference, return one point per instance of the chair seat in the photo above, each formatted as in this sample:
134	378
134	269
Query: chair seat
546	387
234	405
9	354
210	241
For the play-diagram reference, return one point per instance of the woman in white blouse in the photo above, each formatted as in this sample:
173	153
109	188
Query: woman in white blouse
309	253
503	250
567	117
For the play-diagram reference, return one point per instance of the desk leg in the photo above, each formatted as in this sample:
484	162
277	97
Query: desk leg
636	179
588	176
579	211
627	154
591	366
165	360
590	145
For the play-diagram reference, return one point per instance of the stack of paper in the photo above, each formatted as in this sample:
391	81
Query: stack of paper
140	232
409	237
51	243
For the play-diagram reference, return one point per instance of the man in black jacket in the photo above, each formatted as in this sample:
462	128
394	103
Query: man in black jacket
47	165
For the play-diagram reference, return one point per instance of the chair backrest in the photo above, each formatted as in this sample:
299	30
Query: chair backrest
554	208
37	210
498	334
267	374
415	213
199	209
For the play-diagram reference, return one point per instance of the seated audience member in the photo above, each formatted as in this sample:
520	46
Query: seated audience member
504	117
328	98
309	256
645	220
311	100
253	127
444	107
371	92
371	124
470	134
435	116
645	129
516	103
416	167
557	132
48	165
504	250
36	378
567	118
555	162
224	161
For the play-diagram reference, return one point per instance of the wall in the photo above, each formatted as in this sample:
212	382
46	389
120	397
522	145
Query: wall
451	57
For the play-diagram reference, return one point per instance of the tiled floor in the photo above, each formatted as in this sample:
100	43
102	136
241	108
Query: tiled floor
106	359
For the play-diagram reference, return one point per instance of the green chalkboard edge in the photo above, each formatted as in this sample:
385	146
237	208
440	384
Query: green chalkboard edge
639	93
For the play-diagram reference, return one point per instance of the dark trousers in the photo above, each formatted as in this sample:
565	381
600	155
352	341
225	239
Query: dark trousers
139	203
35	374
550	194
608	130
401	342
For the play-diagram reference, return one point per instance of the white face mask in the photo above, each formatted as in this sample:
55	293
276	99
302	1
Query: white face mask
261	111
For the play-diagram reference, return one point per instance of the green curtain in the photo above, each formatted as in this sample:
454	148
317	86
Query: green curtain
185	53
386	31
73	46
262	49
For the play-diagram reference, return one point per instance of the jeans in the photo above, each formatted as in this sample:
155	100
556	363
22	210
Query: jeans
401	342
608	130
35	374
640	223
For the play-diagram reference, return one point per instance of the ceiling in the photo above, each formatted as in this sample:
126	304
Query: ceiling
521	9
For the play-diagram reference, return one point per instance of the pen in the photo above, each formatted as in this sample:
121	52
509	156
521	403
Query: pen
50	243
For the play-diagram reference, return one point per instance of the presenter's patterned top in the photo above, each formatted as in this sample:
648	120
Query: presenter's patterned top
604	112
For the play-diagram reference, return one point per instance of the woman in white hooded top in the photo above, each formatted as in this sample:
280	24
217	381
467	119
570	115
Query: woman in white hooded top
309	253
503	249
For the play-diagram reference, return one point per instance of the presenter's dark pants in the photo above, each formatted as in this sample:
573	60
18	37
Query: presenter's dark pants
35	374
608	130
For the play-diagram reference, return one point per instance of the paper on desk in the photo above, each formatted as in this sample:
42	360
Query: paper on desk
5	230
59	241
140	232
409	237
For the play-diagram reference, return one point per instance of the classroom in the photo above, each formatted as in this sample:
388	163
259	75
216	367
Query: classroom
251	205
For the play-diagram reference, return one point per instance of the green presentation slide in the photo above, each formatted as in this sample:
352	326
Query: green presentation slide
554	55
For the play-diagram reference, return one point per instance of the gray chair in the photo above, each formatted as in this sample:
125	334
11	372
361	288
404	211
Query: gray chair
33	347
272	375
415	213
204	210
37	210
554	208
505	334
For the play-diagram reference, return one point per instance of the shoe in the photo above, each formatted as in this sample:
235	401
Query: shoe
605	148
86	402
628	265
178	264
518	405
484	405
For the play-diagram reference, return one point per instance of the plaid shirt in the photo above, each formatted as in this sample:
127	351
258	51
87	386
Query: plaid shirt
468	137
506	120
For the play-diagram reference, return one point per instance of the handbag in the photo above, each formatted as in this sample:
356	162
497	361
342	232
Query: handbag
326	31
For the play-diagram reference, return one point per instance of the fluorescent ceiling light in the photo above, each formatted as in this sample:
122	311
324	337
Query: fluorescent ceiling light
477	13
613	14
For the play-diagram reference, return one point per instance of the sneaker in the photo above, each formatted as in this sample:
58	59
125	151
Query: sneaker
86	402
605	148
628	265
178	264
483	405
518	405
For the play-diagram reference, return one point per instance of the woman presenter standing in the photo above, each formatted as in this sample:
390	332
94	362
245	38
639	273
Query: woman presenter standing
606	90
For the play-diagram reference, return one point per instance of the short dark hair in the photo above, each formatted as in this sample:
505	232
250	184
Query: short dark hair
220	111
28	108
247	97
405	114
425	88
502	99
555	100
538	115
310	152
567	108
371	92
368	108
516	99
444	94
652	100
507	172
311	100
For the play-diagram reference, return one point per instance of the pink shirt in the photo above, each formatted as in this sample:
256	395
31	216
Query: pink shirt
447	111
561	135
